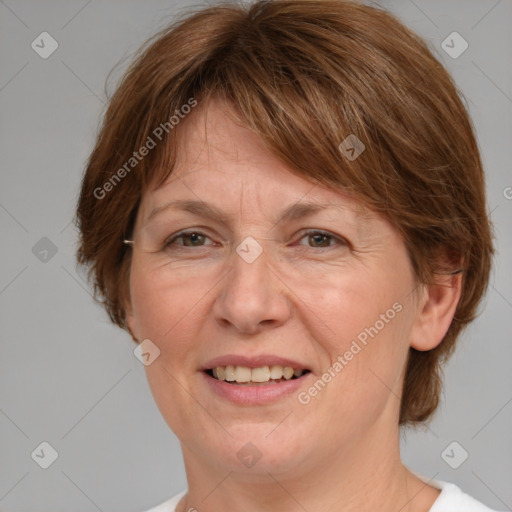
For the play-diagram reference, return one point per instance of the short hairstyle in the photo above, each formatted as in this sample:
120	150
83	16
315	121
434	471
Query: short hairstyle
304	75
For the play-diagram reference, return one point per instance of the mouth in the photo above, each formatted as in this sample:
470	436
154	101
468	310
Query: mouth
259	376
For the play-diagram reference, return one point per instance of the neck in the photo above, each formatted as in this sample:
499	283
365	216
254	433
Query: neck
367	476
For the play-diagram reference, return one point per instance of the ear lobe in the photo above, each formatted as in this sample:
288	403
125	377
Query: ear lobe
437	308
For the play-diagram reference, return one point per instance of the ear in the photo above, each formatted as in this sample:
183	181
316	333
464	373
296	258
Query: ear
437	304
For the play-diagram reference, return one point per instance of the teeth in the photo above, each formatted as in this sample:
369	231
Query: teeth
229	373
243	374
260	374
287	372
276	371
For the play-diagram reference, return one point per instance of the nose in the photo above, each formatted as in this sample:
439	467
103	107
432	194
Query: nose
252	297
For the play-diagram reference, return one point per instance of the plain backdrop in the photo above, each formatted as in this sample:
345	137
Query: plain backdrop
70	379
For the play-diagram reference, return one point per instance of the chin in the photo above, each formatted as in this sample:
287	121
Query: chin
256	449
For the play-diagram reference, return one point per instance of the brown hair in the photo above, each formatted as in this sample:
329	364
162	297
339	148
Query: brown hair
305	75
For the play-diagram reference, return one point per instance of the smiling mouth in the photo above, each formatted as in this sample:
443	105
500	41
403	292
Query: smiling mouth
263	375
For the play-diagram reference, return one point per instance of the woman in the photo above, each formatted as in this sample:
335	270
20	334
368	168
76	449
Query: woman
285	208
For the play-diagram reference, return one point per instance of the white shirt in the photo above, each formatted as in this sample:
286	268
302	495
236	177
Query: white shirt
451	499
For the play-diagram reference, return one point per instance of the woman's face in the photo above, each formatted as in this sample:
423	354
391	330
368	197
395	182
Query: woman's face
327	289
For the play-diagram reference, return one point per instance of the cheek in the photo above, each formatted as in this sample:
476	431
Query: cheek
161	305
355	305
169	316
362	334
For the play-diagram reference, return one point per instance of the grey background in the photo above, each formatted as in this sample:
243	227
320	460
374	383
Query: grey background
70	378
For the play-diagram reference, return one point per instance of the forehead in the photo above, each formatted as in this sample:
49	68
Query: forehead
221	162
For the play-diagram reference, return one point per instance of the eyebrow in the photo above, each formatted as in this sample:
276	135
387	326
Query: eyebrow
293	212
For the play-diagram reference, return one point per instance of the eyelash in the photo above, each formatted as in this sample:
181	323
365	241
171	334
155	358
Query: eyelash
315	232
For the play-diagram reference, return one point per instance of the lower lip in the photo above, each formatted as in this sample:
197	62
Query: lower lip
254	395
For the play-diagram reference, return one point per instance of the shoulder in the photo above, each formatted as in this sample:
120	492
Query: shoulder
169	505
453	499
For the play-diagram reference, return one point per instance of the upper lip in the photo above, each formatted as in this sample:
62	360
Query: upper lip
253	362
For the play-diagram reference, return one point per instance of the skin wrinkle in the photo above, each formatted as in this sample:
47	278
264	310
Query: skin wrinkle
358	237
360	213
358	229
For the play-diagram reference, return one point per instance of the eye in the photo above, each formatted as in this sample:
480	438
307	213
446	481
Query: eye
190	239
323	239
194	238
